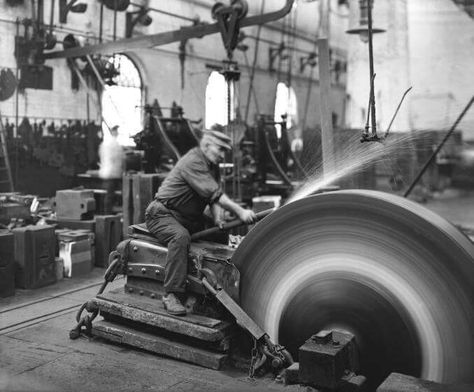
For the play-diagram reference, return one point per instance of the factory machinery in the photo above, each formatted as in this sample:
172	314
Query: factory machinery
259	162
345	282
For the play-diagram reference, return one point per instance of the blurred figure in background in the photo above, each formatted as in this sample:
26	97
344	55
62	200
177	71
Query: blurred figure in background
111	155
111	166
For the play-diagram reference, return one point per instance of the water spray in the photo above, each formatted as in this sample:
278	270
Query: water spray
374	137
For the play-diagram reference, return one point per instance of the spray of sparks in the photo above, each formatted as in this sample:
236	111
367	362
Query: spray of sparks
352	157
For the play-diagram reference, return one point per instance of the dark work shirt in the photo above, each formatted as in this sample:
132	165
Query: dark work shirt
191	185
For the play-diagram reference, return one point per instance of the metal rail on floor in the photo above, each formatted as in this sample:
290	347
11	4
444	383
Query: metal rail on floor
46	316
38	319
49	298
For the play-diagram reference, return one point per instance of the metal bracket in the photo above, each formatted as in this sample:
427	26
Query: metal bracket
270	353
310	60
132	18
274	53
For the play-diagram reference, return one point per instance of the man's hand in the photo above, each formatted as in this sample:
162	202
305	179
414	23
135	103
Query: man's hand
247	216
220	224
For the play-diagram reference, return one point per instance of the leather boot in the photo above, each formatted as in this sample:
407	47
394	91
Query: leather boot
173	305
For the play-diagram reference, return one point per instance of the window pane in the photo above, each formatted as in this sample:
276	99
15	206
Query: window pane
122	102
285	104
216	100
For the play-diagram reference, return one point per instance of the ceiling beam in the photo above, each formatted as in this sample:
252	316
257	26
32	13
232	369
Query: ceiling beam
149	41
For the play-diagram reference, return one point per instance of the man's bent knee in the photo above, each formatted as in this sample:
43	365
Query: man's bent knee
182	238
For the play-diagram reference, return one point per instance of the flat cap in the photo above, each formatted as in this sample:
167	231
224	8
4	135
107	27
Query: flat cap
219	138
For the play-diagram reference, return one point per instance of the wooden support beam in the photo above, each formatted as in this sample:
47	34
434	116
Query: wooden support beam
151	312
158	345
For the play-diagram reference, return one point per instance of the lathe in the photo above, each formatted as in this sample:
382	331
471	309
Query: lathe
392	278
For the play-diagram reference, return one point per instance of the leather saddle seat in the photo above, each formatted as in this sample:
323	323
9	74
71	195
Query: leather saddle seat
141	230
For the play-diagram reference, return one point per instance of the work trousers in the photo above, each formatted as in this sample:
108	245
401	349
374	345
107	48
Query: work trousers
172	231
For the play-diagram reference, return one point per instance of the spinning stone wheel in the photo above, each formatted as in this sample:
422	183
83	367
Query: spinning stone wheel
396	275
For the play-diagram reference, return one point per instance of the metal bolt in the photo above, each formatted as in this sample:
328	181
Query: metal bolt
135	248
130	269
152	295
143	270
157	271
276	363
130	289
141	292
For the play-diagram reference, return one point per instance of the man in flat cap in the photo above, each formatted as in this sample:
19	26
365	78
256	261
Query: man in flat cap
177	210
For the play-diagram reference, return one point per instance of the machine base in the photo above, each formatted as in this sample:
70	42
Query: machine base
155	344
143	323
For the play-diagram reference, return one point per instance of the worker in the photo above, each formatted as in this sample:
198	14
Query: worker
111	166
111	155
177	209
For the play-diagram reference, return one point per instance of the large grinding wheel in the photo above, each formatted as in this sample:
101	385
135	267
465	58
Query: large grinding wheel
396	275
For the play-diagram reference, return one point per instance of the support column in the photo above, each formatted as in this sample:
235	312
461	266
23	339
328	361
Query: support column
327	134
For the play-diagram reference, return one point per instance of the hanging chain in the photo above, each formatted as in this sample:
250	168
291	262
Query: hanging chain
84	321
253	359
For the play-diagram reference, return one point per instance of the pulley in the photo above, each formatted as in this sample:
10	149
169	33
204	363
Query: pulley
228	18
240	7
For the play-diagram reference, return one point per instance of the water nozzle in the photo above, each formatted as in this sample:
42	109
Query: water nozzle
366	137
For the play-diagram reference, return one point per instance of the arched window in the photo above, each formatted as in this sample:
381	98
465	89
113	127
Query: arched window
216	100
285	104
122	100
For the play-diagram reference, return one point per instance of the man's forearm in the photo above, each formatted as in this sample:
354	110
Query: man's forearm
230	205
217	212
